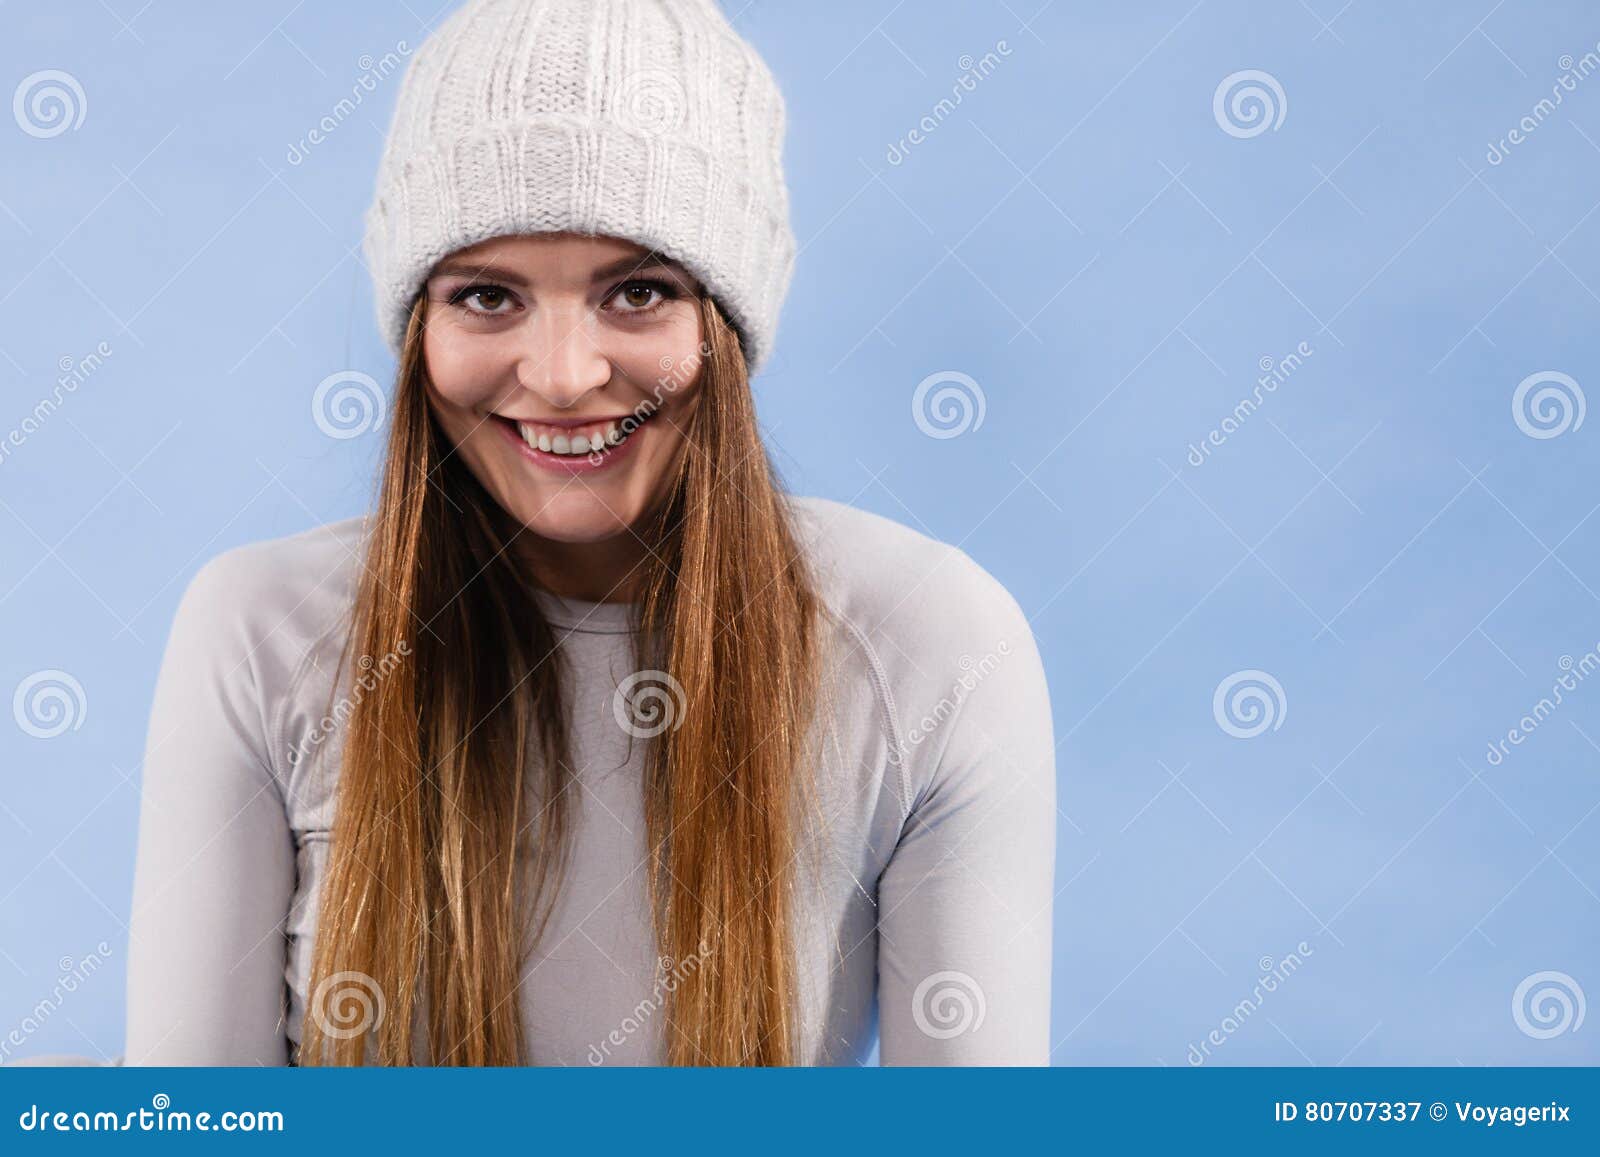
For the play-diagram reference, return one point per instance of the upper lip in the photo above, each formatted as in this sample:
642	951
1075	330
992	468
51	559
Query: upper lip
570	423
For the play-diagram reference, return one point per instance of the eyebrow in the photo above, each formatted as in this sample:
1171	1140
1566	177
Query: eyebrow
458	266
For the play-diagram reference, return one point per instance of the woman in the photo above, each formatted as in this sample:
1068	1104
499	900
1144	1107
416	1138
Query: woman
590	745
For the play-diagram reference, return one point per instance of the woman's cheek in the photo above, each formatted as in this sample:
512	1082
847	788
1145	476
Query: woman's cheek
660	354
454	392
460	383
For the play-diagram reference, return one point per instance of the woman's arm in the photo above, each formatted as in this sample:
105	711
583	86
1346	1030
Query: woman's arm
215	867
965	903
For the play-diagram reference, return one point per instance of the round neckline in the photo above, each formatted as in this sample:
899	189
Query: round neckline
585	616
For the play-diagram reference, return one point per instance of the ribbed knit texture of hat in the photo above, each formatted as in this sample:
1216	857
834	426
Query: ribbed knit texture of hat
650	120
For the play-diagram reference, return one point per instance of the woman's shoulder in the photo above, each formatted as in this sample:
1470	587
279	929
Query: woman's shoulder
284	585
252	636
898	585
937	636
261	611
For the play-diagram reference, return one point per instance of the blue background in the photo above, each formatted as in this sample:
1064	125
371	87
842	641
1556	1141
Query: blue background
1083	239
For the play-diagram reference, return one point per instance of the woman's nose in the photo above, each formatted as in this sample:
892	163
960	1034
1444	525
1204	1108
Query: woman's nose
561	360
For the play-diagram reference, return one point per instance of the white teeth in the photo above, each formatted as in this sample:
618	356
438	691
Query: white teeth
589	441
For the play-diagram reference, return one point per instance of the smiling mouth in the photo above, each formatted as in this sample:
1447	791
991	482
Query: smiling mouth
602	435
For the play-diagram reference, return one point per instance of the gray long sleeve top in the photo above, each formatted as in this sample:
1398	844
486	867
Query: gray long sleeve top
925	916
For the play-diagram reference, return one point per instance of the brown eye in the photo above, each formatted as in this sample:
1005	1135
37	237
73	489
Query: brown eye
482	299
642	298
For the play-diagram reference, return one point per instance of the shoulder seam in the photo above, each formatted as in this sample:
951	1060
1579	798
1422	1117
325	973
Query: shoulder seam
293	688
948	729
298	677
889	718
263	759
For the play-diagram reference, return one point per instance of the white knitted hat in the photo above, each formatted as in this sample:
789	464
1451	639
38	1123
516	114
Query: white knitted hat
651	120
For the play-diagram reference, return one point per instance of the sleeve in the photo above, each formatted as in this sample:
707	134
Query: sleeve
965	902
214	870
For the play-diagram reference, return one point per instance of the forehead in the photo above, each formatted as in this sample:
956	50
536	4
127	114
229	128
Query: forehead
555	257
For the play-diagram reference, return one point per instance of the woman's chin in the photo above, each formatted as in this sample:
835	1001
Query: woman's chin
576	518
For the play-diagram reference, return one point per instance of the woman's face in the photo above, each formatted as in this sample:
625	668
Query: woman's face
562	368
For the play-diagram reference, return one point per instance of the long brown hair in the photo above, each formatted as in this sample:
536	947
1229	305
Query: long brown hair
453	787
